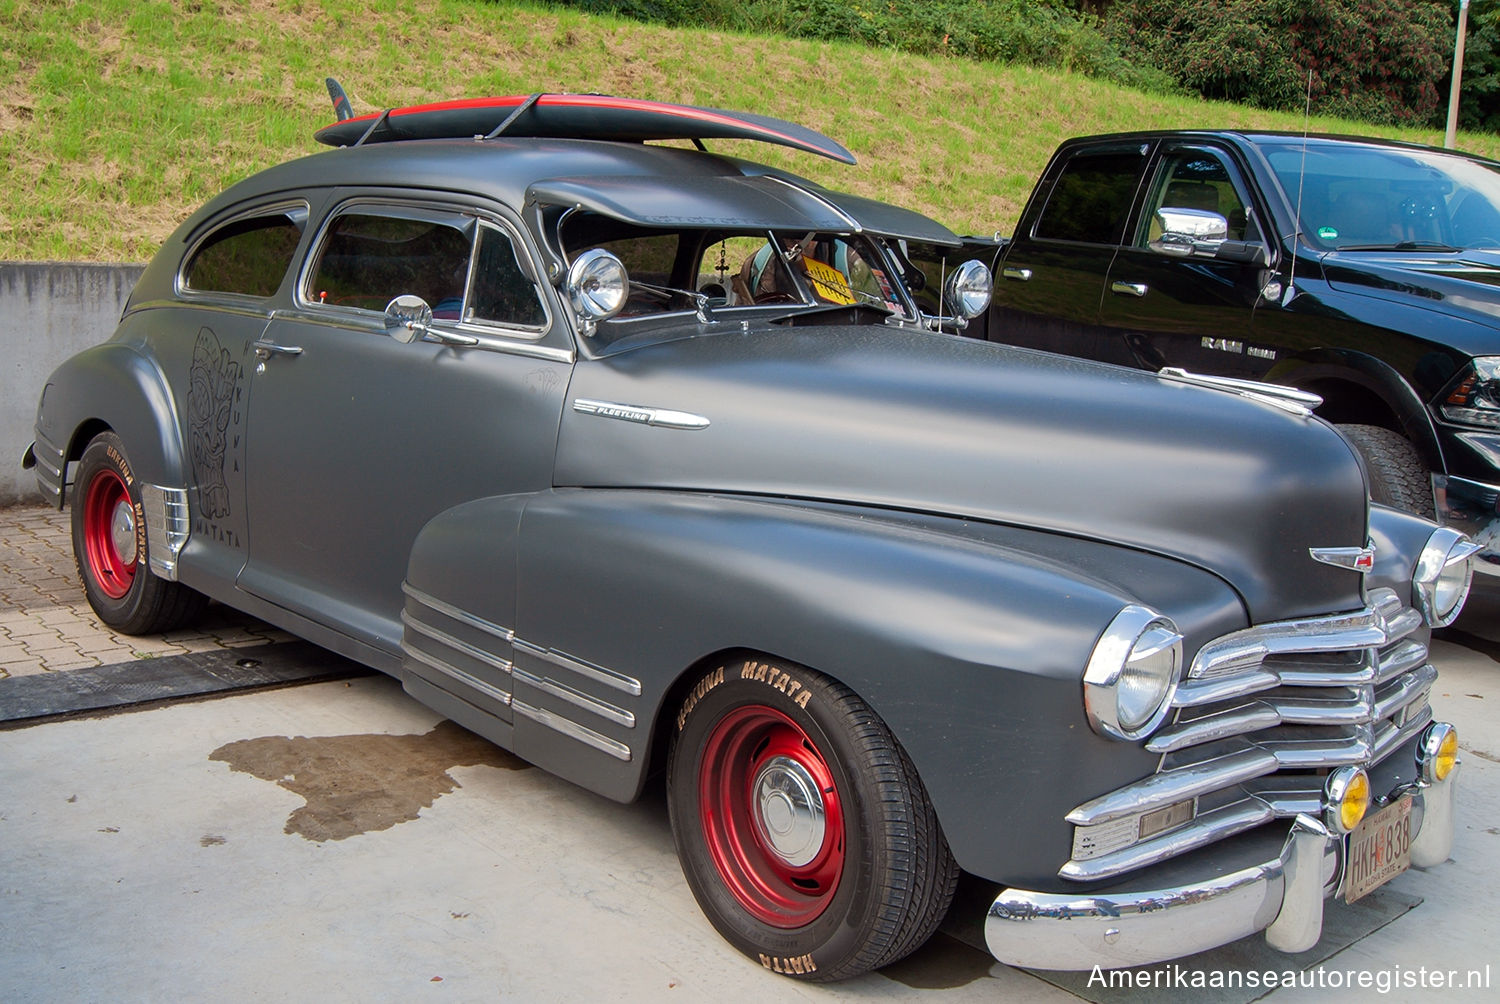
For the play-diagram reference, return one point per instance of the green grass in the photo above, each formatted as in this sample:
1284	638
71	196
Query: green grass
119	117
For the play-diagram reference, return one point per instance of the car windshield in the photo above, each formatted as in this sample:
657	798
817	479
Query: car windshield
1356	196
675	271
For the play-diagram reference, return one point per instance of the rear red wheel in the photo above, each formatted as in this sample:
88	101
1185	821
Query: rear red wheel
802	827
110	531
109	546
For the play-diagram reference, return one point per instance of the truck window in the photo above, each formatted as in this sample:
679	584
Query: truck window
1091	199
1197	179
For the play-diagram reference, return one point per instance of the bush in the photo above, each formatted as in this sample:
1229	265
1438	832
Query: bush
1373	60
1037	32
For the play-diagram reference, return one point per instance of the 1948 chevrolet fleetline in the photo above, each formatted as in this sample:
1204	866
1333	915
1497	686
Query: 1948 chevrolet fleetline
636	458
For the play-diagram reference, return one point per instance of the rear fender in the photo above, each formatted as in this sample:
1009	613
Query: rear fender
116	387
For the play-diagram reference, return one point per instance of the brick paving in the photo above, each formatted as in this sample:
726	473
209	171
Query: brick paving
46	625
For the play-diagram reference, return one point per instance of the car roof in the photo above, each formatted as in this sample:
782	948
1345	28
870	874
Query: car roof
637	182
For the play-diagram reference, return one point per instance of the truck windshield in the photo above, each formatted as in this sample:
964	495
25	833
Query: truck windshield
1358	196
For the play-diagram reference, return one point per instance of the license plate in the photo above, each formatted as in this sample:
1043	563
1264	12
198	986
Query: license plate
1379	850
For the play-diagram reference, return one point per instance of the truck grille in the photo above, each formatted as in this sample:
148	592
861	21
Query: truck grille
1261	717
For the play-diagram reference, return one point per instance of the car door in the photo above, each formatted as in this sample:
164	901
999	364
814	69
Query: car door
1183	290
229	281
356	440
1052	276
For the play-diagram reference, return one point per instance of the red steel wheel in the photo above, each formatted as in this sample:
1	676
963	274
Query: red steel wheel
772	817
109	534
109	546
804	832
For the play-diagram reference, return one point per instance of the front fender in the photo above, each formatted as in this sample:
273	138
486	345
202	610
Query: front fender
969	640
110	385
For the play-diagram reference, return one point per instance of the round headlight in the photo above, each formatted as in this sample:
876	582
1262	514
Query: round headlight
969	289
1127	687
1441	580
1347	796
1437	754
597	285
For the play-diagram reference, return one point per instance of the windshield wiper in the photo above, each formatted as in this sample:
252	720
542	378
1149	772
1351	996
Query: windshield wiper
1402	246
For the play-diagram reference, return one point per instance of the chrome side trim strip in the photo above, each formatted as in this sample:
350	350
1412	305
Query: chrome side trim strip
565	693
598	674
573	730
1161	790
505	634
1207	828
168	522
457	644
467	679
662	418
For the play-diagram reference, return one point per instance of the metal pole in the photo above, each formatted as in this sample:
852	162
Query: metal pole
1458	72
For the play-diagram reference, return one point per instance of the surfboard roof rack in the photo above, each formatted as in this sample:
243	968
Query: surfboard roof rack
567	116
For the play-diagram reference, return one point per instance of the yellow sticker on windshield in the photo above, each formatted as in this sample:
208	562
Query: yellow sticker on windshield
828	282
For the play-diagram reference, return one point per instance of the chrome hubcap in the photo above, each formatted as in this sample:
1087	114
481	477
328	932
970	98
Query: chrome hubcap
789	810
122	531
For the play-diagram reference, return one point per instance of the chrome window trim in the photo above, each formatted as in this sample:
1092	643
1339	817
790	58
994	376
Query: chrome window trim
285	207
491	334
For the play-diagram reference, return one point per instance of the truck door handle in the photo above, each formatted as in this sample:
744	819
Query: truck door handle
1018	274
265	348
1129	288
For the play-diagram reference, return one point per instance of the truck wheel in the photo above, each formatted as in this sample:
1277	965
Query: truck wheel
803	829
1398	478
109	546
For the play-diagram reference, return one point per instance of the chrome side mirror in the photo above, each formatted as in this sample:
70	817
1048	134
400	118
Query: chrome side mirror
1185	232
969	289
597	286
407	318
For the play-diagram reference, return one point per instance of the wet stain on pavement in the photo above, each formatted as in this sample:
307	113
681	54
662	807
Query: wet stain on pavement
360	784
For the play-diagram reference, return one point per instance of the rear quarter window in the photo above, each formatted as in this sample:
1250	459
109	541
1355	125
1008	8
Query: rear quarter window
248	256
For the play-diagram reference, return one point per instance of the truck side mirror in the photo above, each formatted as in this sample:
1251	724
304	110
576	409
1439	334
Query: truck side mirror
1185	232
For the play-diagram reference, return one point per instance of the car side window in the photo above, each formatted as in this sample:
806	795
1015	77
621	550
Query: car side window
1091	198
1200	181
371	255
248	256
500	292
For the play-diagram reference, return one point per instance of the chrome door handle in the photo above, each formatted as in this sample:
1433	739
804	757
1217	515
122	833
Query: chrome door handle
1019	274
265	349
1129	288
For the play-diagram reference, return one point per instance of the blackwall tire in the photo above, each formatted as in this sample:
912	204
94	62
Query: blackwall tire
802	827
109	547
1398	478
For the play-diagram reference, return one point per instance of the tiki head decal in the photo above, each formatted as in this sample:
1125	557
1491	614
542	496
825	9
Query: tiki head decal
210	401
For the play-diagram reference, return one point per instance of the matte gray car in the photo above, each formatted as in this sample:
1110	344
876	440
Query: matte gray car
639	459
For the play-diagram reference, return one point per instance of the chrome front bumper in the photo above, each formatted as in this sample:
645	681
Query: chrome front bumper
1474	509
1283	897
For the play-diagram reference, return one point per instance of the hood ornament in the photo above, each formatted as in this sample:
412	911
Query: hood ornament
1360	559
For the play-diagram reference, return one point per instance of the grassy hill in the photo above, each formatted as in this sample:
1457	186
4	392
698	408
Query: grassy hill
119	117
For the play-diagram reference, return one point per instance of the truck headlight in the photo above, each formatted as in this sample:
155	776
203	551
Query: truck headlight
1441	581
1475	399
1132	672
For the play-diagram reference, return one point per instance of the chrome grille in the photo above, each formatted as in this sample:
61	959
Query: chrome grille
1261	717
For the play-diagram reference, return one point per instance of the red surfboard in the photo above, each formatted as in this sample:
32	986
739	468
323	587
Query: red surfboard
575	116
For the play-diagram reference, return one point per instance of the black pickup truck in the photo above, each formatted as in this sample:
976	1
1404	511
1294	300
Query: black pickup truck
1363	271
